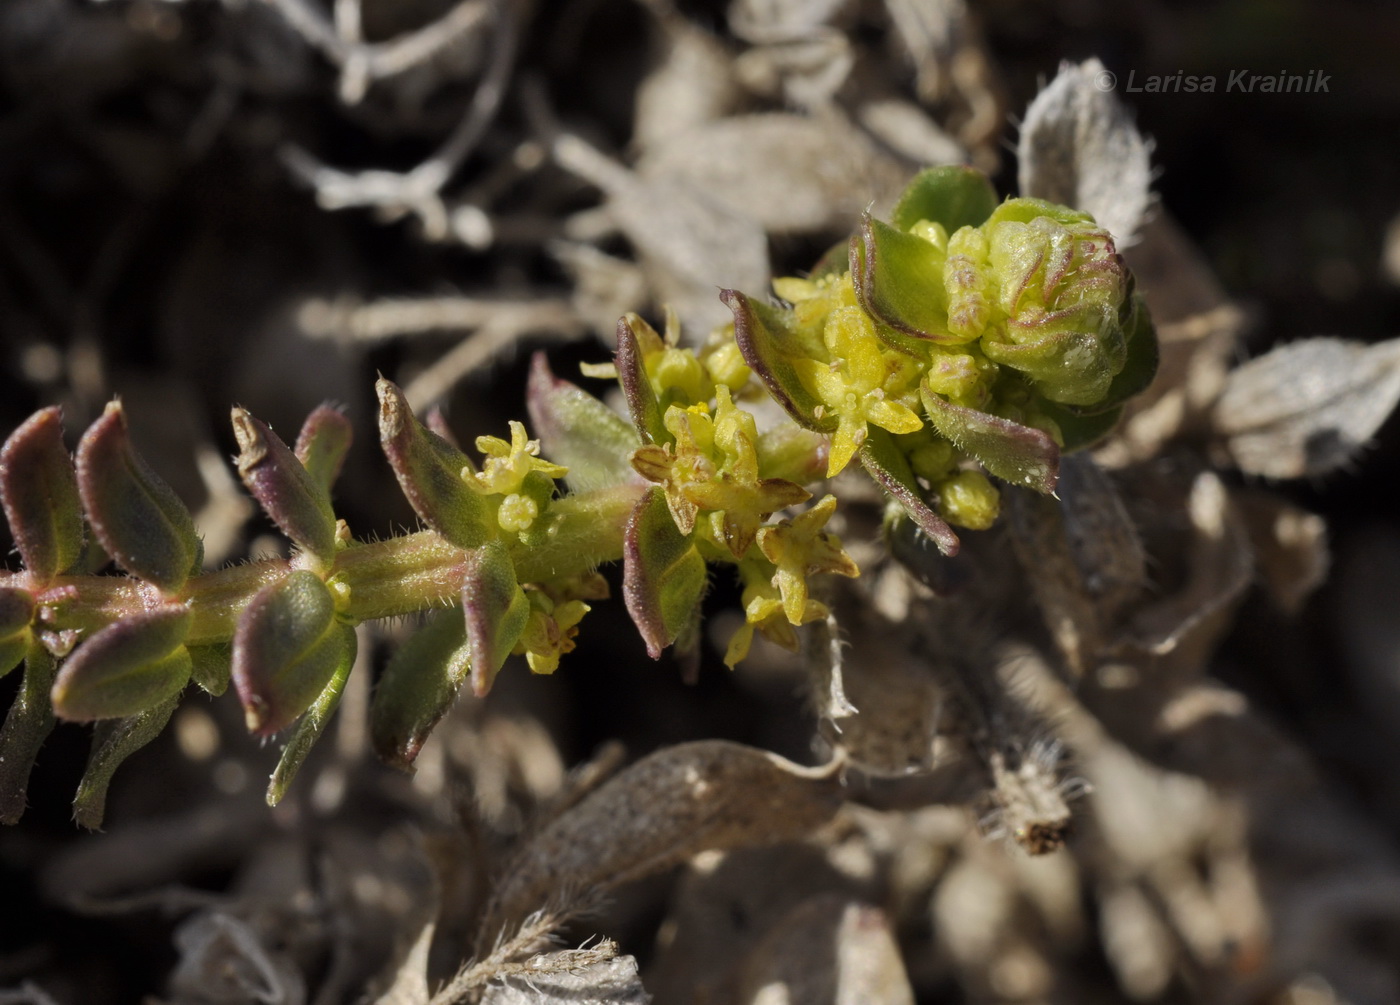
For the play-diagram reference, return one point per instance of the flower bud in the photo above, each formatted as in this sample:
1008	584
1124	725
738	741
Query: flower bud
295	501
136	516
286	648
40	496
126	668
429	470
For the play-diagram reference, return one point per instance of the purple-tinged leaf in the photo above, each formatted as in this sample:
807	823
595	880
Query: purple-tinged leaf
136	516
322	444
636	338
952	195
419	685
126	668
495	611
27	725
289	494
885	463
308	730
113	741
16	613
286	648
40	496
1018	454
663	574
768	353
429	470
1308	407
579	431
899	282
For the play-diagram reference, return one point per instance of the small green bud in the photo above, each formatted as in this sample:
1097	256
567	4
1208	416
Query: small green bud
296	502
968	499
286	648
136	516
429	470
663	574
126	668
40	496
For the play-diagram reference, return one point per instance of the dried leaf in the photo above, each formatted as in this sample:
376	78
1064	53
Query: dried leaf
1306	408
40	496
669	806
828	949
1290	547
560	979
137	517
1079	148
126	668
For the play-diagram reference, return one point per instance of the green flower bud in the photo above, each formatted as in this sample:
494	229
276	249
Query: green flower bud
968	499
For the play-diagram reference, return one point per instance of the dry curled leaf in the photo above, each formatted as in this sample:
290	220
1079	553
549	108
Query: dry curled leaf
1079	147
1307	407
659	812
563	979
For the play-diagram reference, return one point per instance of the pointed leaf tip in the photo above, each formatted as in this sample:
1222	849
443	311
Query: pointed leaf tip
39	492
126	668
295	501
136	516
429	471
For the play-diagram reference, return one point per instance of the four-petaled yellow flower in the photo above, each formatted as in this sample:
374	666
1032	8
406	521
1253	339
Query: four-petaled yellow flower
861	384
763	611
550	631
800	548
507	467
713	466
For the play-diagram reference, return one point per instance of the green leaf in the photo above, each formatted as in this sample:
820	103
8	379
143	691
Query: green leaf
899	281
126	668
951	194
1143	356
213	666
635	339
16	613
1077	429
295	501
27	725
495	610
322	444
139	519
663	574
768	348
113	741
1013	452
310	727
40	496
429	470
418	687
286	648
579	431
886	463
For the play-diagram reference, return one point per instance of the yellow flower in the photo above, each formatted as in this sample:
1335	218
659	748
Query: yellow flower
713	466
550	631
763	612
861	384
508	464
799	548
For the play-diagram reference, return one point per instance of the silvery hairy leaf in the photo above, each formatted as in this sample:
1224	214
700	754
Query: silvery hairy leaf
1079	147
